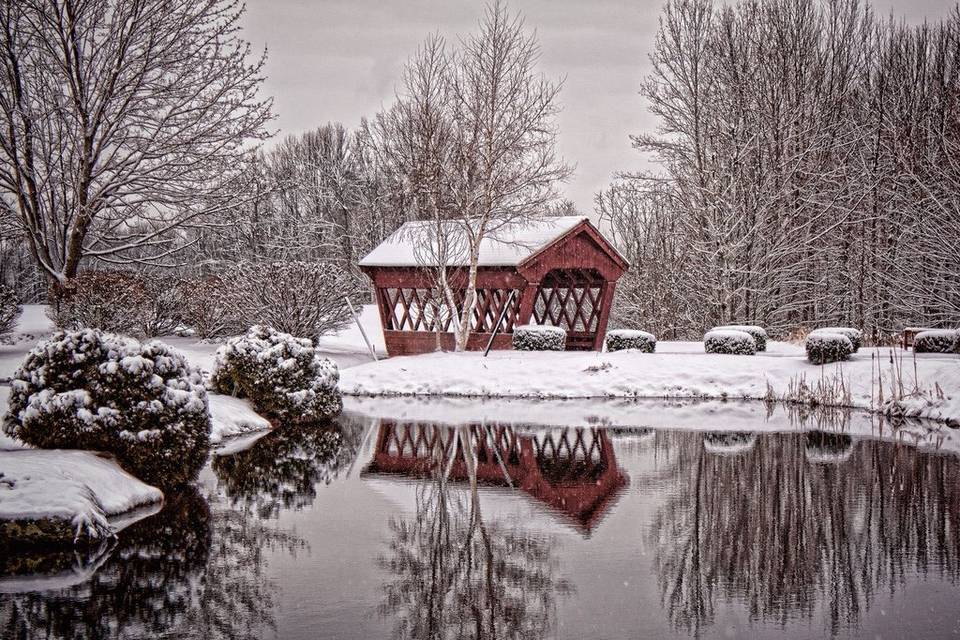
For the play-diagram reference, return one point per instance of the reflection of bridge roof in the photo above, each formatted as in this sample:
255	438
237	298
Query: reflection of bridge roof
576	475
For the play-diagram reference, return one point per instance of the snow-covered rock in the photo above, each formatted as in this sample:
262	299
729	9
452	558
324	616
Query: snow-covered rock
730	342
61	495
539	337
620	339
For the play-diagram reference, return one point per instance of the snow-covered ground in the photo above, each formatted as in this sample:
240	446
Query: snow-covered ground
79	487
676	370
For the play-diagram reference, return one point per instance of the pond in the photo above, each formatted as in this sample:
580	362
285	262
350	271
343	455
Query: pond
685	521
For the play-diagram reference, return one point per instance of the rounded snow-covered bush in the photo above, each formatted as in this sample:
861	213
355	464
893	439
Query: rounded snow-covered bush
940	341
759	334
92	390
283	376
825	347
537	337
855	335
729	341
9	309
620	339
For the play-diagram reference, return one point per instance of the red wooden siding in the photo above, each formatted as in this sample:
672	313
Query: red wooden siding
569	283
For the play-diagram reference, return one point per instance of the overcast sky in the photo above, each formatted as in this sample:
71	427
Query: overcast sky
340	60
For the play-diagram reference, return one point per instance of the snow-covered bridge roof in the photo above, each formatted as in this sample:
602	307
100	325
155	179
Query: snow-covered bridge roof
509	245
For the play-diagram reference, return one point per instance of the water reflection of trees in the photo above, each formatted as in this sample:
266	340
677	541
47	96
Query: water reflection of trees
188	572
456	574
282	469
798	522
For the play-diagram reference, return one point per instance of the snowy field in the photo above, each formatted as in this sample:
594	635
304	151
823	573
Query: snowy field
676	370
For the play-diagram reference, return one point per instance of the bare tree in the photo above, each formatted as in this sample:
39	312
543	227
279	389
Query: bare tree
474	138
122	121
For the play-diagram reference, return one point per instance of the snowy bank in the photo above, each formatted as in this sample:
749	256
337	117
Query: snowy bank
58	496
231	417
635	418
676	370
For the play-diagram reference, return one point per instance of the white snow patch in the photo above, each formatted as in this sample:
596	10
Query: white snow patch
80	487
231	417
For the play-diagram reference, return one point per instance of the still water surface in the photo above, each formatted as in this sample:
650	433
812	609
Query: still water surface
382	528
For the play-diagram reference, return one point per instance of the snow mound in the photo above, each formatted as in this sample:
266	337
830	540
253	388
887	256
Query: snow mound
231	417
79	487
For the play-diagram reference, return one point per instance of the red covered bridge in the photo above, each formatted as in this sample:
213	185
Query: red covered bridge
561	270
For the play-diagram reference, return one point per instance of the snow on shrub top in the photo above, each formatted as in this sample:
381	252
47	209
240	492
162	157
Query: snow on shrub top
938	333
540	328
855	335
631	333
283	375
91	390
759	334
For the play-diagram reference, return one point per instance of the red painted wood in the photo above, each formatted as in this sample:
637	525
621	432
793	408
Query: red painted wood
562	276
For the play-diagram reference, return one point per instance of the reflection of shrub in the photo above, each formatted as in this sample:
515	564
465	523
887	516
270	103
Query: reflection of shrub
534	337
281	469
729	341
944	341
828	347
759	334
9	309
620	339
92	390
283	376
729	443
824	447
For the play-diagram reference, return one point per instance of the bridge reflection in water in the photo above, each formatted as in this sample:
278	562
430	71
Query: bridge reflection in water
573	470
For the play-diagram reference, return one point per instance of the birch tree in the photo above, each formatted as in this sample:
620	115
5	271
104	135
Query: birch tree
476	134
122	121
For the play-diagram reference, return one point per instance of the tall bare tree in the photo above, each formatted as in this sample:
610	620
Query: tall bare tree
473	136
121	122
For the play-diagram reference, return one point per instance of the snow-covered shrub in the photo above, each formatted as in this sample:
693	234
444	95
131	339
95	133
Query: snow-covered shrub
620	339
9	309
855	335
92	390
759	334
135	304
941	341
729	341
537	337
304	299
283	376
825	347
